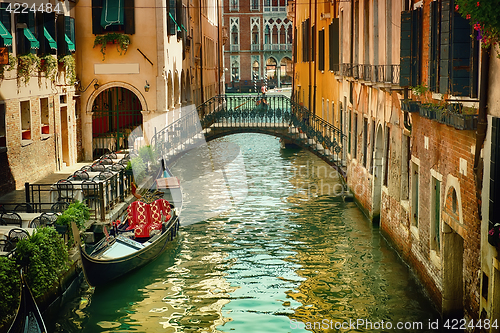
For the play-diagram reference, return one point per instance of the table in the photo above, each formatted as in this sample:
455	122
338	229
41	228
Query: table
27	217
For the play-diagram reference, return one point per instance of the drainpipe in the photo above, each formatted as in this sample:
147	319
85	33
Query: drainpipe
202	95
219	50
316	47
296	50
482	122
309	52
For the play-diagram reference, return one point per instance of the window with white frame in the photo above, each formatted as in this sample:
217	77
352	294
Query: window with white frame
235	31
254	4
25	120
235	68
255	68
234	5
255	33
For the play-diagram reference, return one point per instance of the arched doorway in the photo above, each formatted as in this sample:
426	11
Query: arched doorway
286	72
116	112
272	80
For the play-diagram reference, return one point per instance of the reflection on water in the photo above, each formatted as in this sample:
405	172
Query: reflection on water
287	252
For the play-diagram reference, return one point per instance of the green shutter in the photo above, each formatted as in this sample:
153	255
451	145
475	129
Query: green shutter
437	217
321	50
434	46
405	49
112	13
461	56
416	46
129	17
96	17
334	55
444	61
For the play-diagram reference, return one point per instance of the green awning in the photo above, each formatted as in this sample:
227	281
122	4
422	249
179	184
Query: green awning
177	24
5	34
52	42
112	13
34	44
71	46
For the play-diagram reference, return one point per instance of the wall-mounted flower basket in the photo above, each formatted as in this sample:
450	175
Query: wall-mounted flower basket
494	234
48	66
463	121
122	42
26	65
409	105
69	64
427	111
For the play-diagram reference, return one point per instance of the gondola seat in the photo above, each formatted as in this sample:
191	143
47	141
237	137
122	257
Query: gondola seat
144	218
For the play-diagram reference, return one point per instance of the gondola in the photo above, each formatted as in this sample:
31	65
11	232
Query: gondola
28	318
133	244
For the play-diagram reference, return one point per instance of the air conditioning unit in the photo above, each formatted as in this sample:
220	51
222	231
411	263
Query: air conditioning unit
324	16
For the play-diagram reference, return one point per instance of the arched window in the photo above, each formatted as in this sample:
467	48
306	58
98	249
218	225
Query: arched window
255	35
234	35
282	35
267	35
275	35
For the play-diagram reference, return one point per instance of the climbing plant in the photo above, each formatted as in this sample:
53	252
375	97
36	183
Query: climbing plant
122	42
9	289
48	66
69	68
7	67
26	65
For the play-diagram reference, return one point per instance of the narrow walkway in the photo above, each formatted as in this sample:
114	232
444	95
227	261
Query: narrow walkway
19	196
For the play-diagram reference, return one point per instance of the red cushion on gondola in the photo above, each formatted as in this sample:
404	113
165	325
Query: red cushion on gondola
146	217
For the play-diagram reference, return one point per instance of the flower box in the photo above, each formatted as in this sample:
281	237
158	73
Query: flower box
427	111
45	129
26	135
464	121
409	105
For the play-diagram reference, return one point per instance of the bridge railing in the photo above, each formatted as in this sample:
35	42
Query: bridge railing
245	111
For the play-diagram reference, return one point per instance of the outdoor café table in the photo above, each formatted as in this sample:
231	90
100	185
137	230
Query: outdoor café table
77	193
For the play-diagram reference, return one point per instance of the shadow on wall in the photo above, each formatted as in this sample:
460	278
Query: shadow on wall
7	183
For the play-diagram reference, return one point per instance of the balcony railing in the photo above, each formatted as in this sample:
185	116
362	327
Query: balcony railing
388	74
277	47
235	48
256	47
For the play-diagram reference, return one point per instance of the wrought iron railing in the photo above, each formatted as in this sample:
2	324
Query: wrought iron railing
101	196
372	73
244	111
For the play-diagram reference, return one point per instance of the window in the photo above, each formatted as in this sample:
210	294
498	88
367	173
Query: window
254	4
405	167
350	130
234	5
234	35
411	45
435	214
305	41
365	141
372	143
5	27
25	120
387	154
235	68
321	50
255	35
255	69
115	15
333	43
414	194
26	41
44	116
65	34
355	141
174	17
434	46
494	204
3	132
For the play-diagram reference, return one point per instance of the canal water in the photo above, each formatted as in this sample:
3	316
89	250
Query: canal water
271	249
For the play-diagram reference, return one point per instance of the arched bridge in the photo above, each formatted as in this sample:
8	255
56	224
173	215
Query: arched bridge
278	115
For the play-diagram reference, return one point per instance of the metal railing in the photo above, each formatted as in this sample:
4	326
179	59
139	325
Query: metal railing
389	74
101	197
242	111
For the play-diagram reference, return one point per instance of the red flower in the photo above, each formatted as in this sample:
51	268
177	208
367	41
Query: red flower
456	7
468	16
477	4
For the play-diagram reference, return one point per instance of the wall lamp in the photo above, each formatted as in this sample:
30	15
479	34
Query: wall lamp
96	85
146	87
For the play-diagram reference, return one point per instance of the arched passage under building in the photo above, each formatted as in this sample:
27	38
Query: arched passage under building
116	112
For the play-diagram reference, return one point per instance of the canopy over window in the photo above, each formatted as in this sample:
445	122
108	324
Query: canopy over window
52	42
34	44
5	34
71	46
112	13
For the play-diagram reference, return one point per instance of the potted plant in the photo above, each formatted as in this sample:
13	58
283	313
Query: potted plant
10	66
494	235
77	212
69	68
409	105
122	42
48	66
26	64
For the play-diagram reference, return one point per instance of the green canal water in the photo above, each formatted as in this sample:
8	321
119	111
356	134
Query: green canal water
270	249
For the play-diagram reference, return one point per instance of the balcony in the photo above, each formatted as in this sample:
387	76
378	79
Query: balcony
256	47
452	115
385	74
278	47
235	48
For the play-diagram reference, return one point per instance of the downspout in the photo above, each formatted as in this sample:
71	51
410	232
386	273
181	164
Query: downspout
316	47
219	49
309	53
482	122
295	48
202	95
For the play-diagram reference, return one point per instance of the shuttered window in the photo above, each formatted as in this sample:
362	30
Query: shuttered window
321	50
127	27
25	38
411	46
313	44
494	204
434	47
458	71
333	44
306	47
65	35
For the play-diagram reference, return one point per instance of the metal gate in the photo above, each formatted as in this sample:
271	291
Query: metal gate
116	112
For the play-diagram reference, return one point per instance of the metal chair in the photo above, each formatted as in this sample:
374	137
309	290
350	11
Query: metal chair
104	175
106	161
86	168
90	192
64	190
2	209
36	223
117	167
79	175
97	167
2	221
112	156
59	207
49	219
24	207
12	218
14	236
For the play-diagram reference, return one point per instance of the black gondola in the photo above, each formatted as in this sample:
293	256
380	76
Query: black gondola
28	318
116	255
